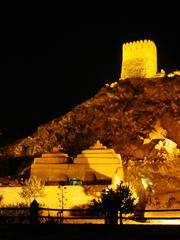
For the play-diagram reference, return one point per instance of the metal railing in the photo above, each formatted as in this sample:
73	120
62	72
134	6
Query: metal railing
35	215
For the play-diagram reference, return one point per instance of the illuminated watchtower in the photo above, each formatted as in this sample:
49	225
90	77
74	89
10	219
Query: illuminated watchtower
139	59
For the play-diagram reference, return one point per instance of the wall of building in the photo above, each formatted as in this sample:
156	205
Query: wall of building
73	196
63	172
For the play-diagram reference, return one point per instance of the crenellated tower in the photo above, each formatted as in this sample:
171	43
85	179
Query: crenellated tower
139	59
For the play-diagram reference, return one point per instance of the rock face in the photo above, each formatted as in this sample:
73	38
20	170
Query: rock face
123	116
138	118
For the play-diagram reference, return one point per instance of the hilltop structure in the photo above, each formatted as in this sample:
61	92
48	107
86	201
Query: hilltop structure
139	59
96	165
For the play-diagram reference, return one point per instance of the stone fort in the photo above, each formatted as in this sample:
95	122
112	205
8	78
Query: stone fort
139	59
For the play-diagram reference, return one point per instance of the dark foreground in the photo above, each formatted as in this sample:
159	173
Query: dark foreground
89	231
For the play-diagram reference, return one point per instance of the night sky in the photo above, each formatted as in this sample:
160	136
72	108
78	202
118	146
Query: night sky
46	71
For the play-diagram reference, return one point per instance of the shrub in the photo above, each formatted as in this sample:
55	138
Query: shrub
32	188
122	199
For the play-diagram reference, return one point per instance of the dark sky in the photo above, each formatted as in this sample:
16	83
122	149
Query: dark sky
46	71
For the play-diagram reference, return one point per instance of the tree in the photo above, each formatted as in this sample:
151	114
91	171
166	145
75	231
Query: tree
32	189
122	198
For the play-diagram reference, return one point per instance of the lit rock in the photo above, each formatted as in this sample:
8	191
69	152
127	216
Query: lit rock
157	133
160	74
168	145
173	74
113	84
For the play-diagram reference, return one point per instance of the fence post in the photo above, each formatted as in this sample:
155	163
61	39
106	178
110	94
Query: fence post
121	218
34	208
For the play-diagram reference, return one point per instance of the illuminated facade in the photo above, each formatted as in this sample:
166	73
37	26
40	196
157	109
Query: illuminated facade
139	59
96	165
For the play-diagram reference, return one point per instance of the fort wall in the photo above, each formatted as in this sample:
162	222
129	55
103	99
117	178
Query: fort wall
139	59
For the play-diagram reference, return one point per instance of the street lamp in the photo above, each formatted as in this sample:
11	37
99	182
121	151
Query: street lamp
61	200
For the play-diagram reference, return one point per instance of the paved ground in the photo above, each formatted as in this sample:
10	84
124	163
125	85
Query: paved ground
89	231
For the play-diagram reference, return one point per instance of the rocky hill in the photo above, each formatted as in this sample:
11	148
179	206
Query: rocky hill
139	118
122	115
